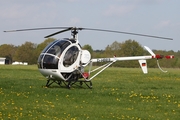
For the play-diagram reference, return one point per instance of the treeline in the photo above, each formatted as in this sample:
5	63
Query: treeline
29	52
133	48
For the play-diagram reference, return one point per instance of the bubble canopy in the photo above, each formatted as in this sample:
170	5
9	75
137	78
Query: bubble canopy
58	49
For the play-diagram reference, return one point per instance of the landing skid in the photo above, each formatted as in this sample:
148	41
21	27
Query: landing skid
70	83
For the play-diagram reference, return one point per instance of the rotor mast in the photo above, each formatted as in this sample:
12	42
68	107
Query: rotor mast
74	33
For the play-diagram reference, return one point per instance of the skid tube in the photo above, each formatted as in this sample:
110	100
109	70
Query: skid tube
69	83
78	83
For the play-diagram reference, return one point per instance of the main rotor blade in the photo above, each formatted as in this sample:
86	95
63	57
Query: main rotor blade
37	29
67	29
74	28
127	33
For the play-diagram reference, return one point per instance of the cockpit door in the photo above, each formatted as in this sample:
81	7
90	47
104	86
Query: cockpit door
70	58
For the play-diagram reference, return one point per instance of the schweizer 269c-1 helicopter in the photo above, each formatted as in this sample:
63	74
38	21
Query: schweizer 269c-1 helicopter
64	61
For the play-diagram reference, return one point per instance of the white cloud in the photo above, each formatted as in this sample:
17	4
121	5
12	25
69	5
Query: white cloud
74	21
70	0
149	1
11	12
163	24
115	10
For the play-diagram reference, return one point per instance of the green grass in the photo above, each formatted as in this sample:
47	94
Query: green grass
118	93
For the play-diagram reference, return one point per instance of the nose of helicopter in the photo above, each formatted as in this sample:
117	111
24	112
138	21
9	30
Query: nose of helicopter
61	58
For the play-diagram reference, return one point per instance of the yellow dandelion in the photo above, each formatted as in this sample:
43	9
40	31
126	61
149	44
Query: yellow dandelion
67	96
179	105
9	115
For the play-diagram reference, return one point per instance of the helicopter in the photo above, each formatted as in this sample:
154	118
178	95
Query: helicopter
63	61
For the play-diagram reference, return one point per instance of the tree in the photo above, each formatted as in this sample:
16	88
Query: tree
41	46
131	48
26	53
127	48
113	49
7	51
88	47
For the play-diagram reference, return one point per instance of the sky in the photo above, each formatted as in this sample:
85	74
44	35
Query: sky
151	17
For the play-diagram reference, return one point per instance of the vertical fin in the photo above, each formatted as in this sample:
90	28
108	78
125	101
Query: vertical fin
149	50
143	65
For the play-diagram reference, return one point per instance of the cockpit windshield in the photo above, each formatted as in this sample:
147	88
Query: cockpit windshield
56	47
49	57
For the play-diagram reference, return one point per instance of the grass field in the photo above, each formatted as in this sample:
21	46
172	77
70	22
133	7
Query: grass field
118	93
